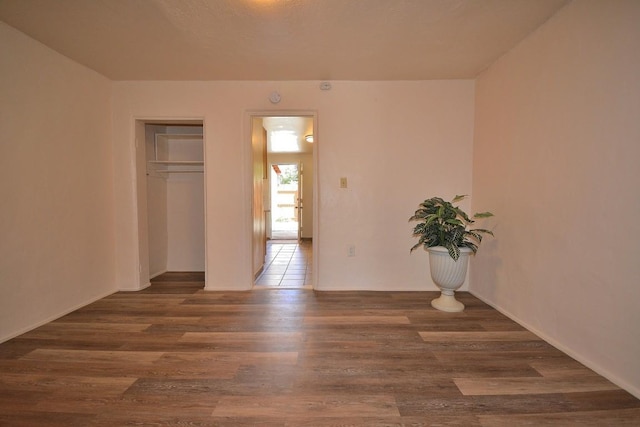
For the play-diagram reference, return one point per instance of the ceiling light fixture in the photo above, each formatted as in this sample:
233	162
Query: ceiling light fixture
308	138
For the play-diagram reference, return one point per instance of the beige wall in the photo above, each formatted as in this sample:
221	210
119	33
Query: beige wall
388	138
557	146
56	220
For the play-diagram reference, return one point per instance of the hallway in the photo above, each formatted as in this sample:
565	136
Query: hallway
287	265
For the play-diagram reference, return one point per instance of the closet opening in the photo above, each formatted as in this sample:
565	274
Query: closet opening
171	202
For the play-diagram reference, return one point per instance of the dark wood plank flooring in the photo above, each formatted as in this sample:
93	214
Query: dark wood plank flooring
175	355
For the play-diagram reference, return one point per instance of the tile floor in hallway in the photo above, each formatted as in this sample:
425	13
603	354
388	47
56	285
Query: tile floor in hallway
287	265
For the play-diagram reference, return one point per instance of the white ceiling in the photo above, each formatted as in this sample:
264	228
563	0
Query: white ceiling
280	39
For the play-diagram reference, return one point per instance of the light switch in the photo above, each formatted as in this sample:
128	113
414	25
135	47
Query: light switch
343	182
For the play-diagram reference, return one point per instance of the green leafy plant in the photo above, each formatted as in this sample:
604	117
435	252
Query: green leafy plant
443	224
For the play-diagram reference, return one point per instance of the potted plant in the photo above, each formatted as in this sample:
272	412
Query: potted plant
444	231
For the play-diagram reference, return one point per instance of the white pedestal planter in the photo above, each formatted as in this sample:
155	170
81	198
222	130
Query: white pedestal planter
449	275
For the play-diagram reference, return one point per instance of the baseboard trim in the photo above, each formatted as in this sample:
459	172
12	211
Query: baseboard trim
54	317
586	362
145	286
154	275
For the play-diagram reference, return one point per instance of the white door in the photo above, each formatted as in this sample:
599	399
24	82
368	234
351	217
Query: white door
300	204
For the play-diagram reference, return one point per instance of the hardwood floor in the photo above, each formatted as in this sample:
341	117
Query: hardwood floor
175	355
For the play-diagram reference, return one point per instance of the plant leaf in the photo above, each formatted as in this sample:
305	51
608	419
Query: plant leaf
483	215
482	230
454	251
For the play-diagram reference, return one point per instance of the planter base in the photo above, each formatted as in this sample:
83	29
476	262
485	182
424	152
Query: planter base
448	275
447	303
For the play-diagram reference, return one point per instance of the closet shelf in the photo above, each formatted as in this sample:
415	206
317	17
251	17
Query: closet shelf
161	167
176	162
176	153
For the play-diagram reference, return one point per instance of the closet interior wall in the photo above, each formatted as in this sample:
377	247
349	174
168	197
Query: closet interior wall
175	198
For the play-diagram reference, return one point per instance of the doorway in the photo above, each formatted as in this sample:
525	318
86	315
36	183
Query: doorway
171	194
286	202
284	151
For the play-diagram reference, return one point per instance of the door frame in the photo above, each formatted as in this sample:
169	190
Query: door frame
248	179
139	166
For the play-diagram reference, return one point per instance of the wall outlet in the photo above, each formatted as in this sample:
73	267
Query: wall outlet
343	182
351	250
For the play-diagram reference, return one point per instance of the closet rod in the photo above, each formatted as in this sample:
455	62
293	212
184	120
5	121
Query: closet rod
174	171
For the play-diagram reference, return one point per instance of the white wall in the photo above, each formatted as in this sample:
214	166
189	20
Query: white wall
396	142
185	222
56	186
557	145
